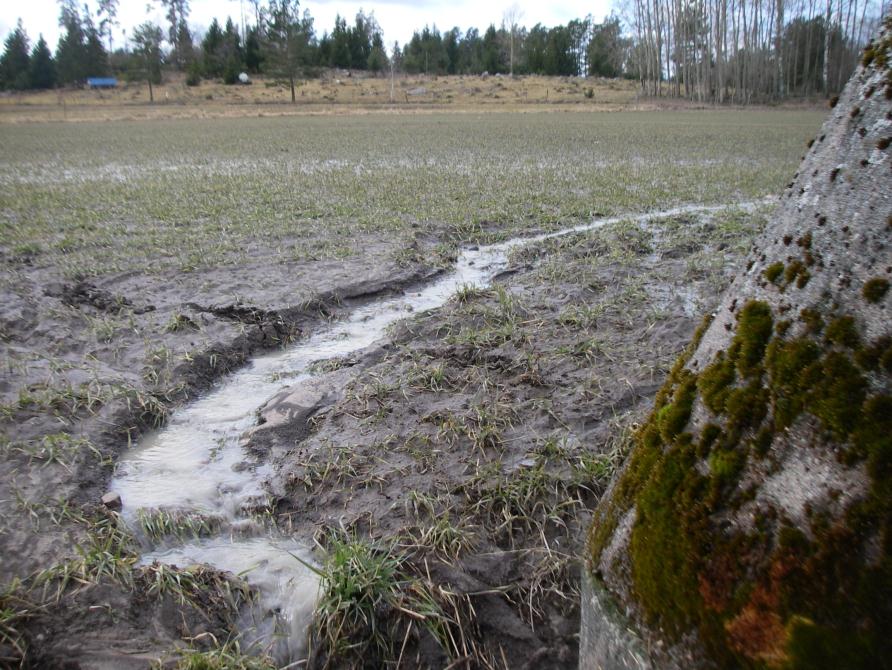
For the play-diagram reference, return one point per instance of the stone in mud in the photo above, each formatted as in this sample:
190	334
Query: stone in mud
752	523
112	501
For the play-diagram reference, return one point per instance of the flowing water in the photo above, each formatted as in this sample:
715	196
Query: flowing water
196	465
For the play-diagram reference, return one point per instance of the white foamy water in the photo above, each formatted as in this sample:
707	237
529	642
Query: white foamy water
196	463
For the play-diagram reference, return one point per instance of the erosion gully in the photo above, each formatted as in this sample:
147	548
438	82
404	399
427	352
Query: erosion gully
195	465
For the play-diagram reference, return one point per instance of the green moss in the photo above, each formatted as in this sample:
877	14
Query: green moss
746	407
788	599
796	271
647	454
873	437
673	417
783	326
868	56
816	647
836	401
773	272
793	370
875	289
762	442
664	540
844	332
725	467
812	319
877	355
715	382
753	334
708	436
803	279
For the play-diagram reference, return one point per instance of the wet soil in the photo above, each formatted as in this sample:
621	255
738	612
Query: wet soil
90	365
473	442
502	414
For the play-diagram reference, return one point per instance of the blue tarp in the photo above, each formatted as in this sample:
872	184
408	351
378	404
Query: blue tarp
102	82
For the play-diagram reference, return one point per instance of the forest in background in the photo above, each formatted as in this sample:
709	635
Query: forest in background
738	51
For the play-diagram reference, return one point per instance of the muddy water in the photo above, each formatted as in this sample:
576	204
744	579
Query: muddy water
196	464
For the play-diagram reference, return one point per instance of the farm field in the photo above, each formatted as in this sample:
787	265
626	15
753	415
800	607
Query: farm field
142	261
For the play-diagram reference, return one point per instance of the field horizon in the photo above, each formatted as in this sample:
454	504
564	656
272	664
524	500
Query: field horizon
350	92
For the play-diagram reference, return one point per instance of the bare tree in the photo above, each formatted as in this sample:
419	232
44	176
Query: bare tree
745	50
511	18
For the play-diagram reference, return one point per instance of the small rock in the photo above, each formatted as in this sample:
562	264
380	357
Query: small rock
112	500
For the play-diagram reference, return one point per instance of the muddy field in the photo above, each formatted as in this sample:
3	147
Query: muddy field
458	457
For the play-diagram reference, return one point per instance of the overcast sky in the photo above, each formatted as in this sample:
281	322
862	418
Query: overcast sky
398	18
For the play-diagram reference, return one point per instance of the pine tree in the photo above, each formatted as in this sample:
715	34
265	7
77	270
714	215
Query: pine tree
147	40
340	44
253	55
71	53
177	16
43	70
95	55
288	40
211	46
15	60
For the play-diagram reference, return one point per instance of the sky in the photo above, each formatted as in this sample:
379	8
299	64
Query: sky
397	18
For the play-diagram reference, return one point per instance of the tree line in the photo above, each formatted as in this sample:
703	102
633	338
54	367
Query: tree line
745	50
706	50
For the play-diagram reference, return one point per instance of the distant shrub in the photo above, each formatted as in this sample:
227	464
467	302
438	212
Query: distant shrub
194	76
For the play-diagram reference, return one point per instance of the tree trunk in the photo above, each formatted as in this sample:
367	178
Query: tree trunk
293	97
825	72
779	48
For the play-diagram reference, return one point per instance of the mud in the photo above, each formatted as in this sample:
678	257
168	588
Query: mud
503	413
500	417
89	366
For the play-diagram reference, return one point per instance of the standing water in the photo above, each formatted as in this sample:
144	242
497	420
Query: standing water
195	464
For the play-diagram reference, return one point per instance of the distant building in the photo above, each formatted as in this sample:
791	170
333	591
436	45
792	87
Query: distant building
102	82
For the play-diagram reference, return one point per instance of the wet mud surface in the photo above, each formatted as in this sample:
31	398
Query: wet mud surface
88	367
471	442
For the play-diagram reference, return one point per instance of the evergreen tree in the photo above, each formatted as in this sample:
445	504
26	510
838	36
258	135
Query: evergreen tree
253	54
361	40
211	47
377	61
325	50
147	40
185	48
451	42
95	55
536	49
340	44
231	53
14	64
289	41
108	11
492	60
177	15
71	52
607	49
43	71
